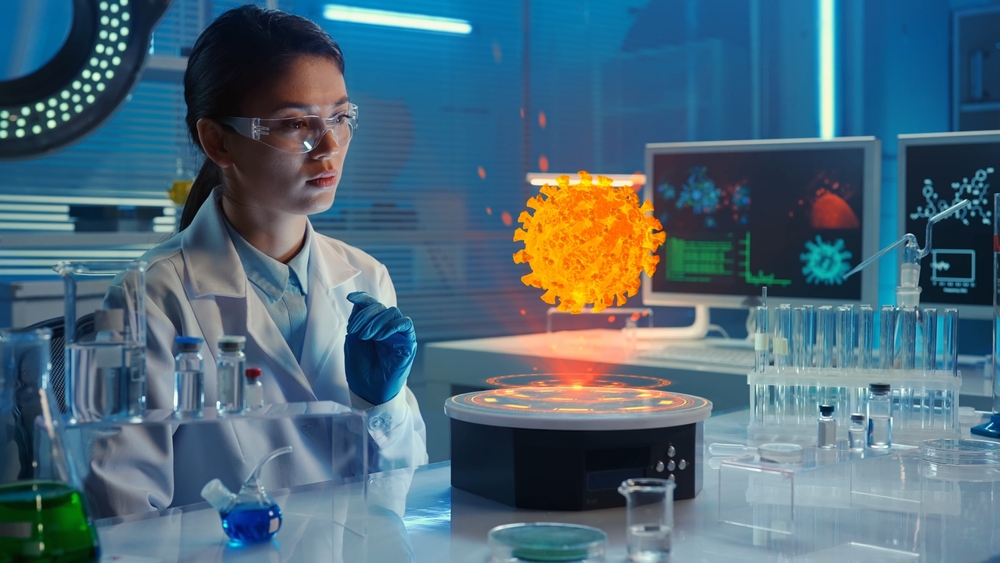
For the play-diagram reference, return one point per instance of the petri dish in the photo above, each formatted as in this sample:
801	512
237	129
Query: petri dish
546	541
780	453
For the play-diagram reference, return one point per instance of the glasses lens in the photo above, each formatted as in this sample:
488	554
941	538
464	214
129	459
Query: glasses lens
303	134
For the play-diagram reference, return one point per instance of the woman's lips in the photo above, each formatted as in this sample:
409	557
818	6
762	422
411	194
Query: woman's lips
323	181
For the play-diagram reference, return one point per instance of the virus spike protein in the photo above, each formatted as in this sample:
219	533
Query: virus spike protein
587	243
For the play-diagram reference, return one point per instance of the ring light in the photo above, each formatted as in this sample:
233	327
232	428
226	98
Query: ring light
84	84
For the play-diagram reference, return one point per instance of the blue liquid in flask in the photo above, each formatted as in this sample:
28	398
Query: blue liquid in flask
252	524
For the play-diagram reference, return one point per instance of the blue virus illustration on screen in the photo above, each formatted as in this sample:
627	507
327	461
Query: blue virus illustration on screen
699	192
976	190
667	190
825	262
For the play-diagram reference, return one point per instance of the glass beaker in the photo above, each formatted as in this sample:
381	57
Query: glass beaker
43	517
649	519
105	339
959	482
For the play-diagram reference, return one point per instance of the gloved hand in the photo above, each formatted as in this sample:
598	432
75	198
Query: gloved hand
379	349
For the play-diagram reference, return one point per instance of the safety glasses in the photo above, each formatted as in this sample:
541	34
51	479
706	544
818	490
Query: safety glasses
297	134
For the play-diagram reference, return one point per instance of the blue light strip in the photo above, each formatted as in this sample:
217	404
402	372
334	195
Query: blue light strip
339	12
827	69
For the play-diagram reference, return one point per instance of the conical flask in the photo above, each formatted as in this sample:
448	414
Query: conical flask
43	516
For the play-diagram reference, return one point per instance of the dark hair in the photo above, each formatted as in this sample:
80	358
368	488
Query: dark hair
237	52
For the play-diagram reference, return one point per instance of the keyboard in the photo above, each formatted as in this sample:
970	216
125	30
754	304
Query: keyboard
711	355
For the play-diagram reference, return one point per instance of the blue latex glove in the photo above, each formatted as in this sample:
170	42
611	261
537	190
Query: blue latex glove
379	349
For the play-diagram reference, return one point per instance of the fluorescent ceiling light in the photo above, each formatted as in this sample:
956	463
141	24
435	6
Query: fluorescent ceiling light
339	12
617	180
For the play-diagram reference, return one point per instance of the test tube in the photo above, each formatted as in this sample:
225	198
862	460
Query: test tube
866	336
928	326
908	337
808	336
761	341
845	336
950	345
887	337
782	333
826	331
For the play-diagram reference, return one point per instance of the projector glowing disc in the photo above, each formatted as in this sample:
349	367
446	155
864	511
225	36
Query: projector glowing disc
578	408
577	380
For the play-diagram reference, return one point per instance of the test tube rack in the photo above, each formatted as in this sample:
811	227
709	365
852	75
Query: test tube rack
784	405
827	356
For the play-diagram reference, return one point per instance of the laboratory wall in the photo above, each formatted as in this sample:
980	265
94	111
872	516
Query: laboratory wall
450	124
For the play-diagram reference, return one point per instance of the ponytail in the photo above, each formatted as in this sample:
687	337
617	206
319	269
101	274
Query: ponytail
208	177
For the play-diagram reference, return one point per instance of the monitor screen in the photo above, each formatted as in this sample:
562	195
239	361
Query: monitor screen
935	171
792	215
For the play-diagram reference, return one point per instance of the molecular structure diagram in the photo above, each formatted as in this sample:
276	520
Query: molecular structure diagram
976	191
825	262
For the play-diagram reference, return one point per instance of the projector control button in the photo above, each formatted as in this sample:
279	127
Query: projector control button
659	467
671	452
671	478
671	465
683	464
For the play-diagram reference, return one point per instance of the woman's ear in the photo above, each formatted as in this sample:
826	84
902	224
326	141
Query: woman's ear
213	140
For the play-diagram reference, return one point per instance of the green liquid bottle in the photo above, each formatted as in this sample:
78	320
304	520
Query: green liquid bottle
45	521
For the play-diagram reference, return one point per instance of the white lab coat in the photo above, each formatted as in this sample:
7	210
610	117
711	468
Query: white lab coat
196	286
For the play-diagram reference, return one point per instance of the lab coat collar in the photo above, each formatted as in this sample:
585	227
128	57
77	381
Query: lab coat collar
214	267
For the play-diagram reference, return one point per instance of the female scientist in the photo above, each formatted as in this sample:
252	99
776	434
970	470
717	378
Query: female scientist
268	105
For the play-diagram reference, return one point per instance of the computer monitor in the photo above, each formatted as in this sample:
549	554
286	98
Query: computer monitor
935	171
794	215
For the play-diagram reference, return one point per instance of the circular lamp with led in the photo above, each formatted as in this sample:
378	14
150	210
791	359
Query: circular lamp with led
84	84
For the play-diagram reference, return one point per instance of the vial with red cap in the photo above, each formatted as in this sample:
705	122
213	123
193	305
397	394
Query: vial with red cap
254	389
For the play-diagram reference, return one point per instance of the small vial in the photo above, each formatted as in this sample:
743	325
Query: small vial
254	389
189	377
827	437
230	365
879	416
856	432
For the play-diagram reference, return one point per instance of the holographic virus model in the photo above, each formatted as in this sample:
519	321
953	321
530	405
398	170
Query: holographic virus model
975	190
825	262
587	243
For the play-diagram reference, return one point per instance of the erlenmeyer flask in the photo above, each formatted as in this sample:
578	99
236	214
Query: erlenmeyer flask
43	517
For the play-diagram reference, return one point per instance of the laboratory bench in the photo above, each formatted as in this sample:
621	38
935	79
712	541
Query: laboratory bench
462	366
415	515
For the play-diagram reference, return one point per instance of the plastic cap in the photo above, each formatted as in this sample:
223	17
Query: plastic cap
231	343
857	417
188	343
880	388
217	495
826	410
253	372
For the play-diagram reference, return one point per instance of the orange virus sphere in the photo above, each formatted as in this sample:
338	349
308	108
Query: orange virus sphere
587	243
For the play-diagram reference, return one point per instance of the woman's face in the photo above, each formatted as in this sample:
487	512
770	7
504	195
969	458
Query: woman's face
298	184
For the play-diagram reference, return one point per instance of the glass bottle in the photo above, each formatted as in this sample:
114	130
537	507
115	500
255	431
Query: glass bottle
879	416
252	515
254	389
230	364
856	432
43	516
189	377
105	349
827	428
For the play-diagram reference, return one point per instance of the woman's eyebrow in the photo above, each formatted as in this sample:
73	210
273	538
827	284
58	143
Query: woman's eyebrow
304	107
